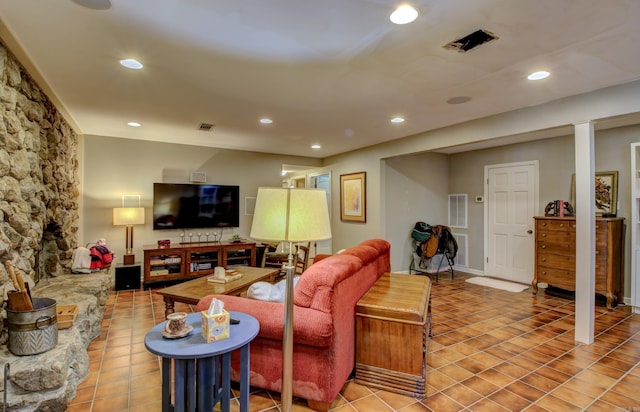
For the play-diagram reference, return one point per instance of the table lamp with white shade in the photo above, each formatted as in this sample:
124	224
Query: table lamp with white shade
290	215
128	216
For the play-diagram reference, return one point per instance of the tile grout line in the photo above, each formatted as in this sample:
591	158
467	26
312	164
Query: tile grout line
103	350
624	375
565	315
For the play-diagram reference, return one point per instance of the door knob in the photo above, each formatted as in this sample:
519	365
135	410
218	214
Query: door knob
529	231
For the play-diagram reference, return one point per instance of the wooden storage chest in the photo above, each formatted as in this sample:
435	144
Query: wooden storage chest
555	255
392	334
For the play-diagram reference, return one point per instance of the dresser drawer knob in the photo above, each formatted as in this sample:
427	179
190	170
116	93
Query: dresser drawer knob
561	224
543	247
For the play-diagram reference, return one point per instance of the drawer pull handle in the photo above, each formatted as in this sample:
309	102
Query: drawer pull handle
561	224
543	247
543	235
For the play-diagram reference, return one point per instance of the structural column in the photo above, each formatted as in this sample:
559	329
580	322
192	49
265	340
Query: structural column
585	232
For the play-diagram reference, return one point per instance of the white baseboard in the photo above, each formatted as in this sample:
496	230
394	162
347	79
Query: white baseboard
455	269
469	270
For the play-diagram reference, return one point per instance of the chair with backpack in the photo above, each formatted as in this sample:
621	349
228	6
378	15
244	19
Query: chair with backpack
434	248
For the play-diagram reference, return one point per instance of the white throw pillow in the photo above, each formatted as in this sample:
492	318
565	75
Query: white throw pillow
270	292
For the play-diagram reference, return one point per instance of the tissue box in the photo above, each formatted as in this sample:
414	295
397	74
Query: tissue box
215	327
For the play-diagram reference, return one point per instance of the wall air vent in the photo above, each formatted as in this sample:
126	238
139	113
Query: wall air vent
198	177
471	41
205	127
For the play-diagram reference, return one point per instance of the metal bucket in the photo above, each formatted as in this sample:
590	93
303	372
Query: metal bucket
33	331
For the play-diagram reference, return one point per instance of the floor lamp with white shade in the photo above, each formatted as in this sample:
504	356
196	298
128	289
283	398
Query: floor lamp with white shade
290	215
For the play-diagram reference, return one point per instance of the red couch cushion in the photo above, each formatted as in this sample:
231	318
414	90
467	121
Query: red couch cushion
316	284
310	326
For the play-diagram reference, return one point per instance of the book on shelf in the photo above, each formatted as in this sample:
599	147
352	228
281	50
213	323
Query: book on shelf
228	278
159	272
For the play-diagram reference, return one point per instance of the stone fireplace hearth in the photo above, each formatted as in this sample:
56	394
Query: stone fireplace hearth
39	203
38	177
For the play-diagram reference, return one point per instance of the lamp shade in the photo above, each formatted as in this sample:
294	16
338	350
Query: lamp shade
126	216
292	215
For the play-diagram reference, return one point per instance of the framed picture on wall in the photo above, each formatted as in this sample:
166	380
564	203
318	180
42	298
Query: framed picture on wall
606	193
353	197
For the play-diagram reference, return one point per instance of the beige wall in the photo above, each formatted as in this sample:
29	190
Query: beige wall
114	166
415	187
405	182
550	123
416	190
556	159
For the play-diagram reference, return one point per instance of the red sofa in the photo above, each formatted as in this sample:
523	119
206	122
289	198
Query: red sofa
323	324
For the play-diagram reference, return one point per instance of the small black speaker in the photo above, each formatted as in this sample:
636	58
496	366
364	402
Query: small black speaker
127	277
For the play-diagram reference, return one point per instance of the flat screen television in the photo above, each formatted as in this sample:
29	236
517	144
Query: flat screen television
191	206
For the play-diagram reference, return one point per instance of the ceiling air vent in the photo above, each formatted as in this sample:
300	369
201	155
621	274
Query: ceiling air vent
205	127
471	41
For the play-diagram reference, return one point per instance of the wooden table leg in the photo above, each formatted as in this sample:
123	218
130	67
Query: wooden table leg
169	305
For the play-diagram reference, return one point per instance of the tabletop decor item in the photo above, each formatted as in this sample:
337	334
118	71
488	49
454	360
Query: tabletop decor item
215	322
176	322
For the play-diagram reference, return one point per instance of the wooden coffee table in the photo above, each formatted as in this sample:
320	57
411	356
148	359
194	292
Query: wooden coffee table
192	291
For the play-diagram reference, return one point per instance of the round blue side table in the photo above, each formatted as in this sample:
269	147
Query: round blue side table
197	385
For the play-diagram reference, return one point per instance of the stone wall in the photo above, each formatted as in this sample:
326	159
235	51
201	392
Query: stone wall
48	381
39	184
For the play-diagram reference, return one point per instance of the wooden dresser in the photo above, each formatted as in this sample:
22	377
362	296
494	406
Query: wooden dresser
392	334
555	255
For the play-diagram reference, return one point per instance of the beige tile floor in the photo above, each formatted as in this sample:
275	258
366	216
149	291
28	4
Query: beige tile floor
492	351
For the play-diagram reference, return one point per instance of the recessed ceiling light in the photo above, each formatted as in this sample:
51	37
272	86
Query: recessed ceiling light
538	75
266	120
94	4
459	100
131	64
134	124
397	120
315	146
404	14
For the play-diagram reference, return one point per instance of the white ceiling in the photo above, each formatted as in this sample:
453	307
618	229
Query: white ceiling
332	72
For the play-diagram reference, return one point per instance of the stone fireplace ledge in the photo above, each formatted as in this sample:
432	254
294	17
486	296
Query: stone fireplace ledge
48	381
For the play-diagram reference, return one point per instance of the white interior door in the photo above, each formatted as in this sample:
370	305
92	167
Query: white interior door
512	196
